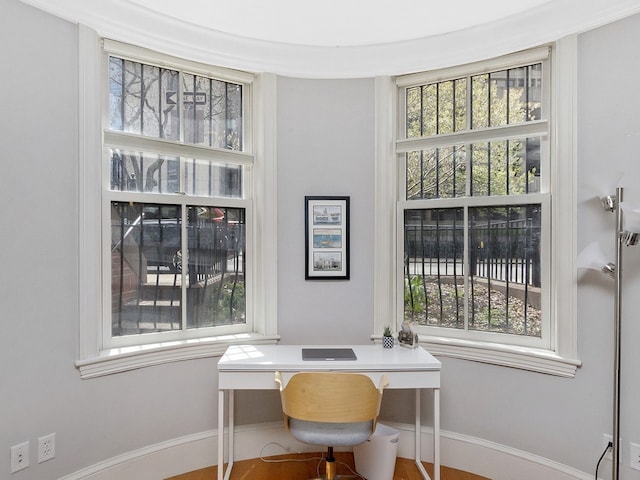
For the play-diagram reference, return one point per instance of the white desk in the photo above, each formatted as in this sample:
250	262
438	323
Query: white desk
252	367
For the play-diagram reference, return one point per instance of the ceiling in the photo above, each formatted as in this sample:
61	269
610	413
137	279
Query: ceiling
338	38
337	23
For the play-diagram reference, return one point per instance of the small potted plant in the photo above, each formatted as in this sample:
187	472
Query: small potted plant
387	338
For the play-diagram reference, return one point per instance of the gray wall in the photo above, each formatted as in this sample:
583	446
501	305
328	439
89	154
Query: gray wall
609	132
325	147
40	389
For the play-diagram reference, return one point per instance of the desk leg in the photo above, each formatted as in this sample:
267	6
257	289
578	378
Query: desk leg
231	433
221	472
220	434
418	428
436	433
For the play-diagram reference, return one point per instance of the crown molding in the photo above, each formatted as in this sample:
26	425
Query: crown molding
127	22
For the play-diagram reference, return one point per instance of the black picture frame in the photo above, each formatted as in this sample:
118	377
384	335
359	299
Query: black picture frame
326	227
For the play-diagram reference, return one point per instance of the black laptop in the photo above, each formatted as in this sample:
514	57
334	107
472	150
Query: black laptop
328	354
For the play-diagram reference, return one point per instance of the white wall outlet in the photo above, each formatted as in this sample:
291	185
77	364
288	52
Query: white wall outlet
46	447
634	455
605	441
19	457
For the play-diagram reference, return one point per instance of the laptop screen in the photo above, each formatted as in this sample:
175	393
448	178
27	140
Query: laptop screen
328	354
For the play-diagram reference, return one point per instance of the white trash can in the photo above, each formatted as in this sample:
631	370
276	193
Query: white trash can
375	459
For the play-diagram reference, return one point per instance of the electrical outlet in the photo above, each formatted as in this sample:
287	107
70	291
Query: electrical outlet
19	457
605	441
634	455
46	447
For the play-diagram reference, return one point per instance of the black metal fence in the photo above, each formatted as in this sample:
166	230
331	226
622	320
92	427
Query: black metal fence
504	268
149	268
507	250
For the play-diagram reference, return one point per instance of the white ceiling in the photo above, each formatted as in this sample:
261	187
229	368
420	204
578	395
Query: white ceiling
338	38
337	23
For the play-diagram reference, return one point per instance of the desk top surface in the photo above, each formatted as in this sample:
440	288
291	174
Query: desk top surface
289	358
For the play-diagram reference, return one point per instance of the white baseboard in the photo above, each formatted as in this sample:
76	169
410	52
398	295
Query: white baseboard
199	450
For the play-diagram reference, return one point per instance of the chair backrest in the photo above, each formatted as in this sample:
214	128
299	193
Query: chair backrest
331	397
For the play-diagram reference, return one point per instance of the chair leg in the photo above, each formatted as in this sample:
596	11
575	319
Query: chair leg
331	465
330	468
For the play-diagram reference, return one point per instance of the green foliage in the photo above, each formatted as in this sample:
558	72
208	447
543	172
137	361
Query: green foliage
415	298
226	302
498	168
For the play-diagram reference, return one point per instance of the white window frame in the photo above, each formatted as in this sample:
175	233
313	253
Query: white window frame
558	354
97	354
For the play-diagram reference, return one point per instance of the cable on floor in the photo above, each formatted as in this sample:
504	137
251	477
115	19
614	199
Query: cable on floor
609	445
288	450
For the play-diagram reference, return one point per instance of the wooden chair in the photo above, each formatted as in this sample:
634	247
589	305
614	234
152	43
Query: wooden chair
330	409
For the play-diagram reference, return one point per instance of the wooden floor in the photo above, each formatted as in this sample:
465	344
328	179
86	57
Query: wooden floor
304	466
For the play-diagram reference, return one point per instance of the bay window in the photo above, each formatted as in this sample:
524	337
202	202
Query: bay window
479	152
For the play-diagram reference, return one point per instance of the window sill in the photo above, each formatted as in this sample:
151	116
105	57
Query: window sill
117	360
532	359
523	358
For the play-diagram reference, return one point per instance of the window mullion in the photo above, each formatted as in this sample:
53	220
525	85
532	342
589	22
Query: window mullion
180	105
529	129
184	274
467	268
129	141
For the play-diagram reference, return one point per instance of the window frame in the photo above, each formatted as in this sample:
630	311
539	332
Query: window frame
558	356
469	137
97	354
183	150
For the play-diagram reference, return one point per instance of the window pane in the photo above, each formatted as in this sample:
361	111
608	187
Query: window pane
145	271
446	107
143	99
534	92
433	270
132	97
498	100
147	263
216	267
213	112
505	270
144	172
507	96
518	101
429	110
509	167
414	112
480	105
436	173
460	104
436	108
211	179
233	116
116	89
150	173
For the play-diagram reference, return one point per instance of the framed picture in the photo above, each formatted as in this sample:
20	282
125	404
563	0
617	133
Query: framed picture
326	250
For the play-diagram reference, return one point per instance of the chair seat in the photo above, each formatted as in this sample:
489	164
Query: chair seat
330	434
